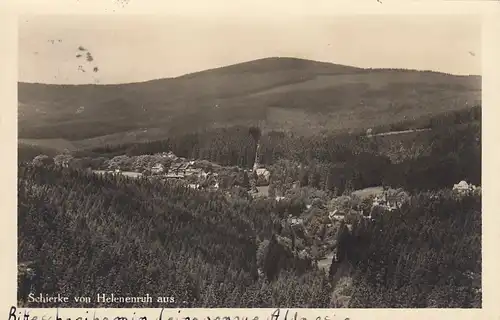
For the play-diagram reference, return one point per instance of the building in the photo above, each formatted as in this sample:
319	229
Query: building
169	155
263	175
214	186
390	200
464	188
172	175
296	221
158	168
336	215
190	171
185	168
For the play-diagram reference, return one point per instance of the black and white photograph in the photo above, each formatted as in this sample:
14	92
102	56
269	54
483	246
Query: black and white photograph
296	161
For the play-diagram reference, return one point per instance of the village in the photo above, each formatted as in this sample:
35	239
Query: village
330	212
205	175
197	174
309	231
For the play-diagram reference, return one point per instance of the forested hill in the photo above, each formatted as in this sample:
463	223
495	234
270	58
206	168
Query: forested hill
89	234
280	93
227	249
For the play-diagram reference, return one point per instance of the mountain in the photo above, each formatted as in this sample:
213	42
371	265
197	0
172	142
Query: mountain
277	93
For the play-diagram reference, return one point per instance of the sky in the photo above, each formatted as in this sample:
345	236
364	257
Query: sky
134	48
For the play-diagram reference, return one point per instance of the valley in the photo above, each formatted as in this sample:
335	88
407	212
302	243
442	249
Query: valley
279	182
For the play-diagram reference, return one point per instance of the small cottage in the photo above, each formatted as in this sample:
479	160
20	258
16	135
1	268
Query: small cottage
263	177
296	221
464	187
157	168
336	215
195	186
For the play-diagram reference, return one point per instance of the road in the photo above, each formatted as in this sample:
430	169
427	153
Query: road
390	133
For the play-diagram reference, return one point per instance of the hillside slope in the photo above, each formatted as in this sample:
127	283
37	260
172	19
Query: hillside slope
280	93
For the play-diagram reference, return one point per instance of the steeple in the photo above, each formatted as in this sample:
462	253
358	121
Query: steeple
256	162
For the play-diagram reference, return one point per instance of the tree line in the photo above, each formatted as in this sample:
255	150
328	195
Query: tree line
451	152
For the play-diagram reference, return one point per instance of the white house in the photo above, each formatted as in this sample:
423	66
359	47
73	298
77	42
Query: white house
463	186
336	215
158	168
296	221
170	155
194	186
263	176
331	214
263	172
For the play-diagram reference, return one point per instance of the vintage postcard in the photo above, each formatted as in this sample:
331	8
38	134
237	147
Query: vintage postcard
319	161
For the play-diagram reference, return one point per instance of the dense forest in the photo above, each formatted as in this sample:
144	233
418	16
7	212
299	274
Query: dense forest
446	154
90	233
87	234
